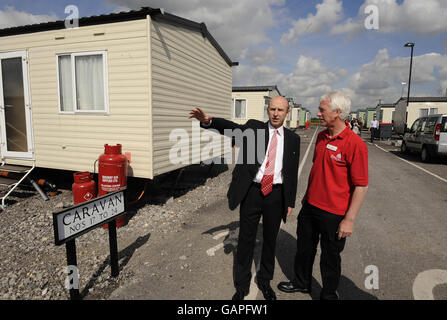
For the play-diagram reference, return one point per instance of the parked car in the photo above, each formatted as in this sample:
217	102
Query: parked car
427	136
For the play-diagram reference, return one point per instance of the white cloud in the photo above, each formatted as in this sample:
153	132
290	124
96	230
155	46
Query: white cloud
382	77
305	84
328	13
236	25
13	18
379	79
428	17
259	56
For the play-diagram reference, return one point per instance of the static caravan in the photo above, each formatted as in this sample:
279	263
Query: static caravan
127	78
251	102
302	117
295	122
417	107
361	116
369	115
287	122
385	112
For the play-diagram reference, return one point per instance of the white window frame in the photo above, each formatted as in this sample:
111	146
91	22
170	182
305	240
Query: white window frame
433	109
423	115
234	109
73	55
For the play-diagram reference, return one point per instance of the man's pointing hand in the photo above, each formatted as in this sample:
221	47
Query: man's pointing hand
198	114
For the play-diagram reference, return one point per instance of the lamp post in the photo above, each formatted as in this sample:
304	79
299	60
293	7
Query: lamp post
411	45
403	86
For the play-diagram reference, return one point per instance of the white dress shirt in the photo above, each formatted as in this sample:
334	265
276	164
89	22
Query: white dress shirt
277	178
374	124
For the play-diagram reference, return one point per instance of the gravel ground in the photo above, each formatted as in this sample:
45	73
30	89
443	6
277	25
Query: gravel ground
32	267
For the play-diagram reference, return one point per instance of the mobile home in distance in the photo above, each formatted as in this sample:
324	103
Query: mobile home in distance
127	78
287	122
304	116
385	112
417	107
251	102
353	115
294	123
361	116
369	115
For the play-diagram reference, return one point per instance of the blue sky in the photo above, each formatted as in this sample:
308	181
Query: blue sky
305	47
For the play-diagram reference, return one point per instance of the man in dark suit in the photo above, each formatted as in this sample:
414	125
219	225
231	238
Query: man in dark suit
266	187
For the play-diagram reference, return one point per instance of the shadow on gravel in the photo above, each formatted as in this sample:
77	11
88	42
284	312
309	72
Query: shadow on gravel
179	182
285	255
230	240
158	191
349	291
124	257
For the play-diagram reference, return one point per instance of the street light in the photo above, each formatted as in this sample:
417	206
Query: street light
403	86
411	45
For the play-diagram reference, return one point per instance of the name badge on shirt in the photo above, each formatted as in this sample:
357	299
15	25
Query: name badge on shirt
331	147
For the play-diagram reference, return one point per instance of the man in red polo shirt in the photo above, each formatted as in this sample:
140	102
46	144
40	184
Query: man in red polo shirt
337	186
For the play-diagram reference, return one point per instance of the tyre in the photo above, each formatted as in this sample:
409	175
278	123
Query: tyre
425	156
403	148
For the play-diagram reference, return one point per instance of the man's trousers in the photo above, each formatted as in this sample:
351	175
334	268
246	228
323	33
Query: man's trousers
314	225
255	205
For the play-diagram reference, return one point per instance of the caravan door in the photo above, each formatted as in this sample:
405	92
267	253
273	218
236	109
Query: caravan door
15	107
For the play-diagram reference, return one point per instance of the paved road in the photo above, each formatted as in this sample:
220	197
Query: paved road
400	236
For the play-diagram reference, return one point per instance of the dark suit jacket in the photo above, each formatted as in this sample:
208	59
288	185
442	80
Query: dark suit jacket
245	170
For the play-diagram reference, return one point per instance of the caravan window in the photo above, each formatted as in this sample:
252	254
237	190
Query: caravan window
423	112
433	111
82	82
240	109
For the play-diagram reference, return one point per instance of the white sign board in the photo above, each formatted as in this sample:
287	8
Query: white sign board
85	216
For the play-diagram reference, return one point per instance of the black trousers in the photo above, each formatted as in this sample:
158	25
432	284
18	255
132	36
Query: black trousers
254	206
315	224
373	133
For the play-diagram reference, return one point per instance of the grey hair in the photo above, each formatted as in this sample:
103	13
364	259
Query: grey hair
338	100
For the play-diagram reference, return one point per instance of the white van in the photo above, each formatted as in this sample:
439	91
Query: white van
427	136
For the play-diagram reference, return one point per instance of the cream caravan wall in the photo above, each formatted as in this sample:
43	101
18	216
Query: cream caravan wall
414	107
295	118
187	71
75	141
255	104
387	116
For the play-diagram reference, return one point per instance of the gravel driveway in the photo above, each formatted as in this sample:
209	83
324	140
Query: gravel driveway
32	267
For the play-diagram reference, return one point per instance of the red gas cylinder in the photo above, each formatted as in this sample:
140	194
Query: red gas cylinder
84	187
112	174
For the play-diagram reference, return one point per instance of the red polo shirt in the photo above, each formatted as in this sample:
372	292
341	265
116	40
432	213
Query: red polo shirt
340	163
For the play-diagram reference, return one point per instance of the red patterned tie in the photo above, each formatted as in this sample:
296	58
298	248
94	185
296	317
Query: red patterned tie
267	179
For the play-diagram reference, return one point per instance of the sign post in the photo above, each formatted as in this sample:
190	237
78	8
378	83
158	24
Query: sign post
72	261
84	217
113	249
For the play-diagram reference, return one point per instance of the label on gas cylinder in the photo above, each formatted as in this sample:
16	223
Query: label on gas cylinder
110	183
110	179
